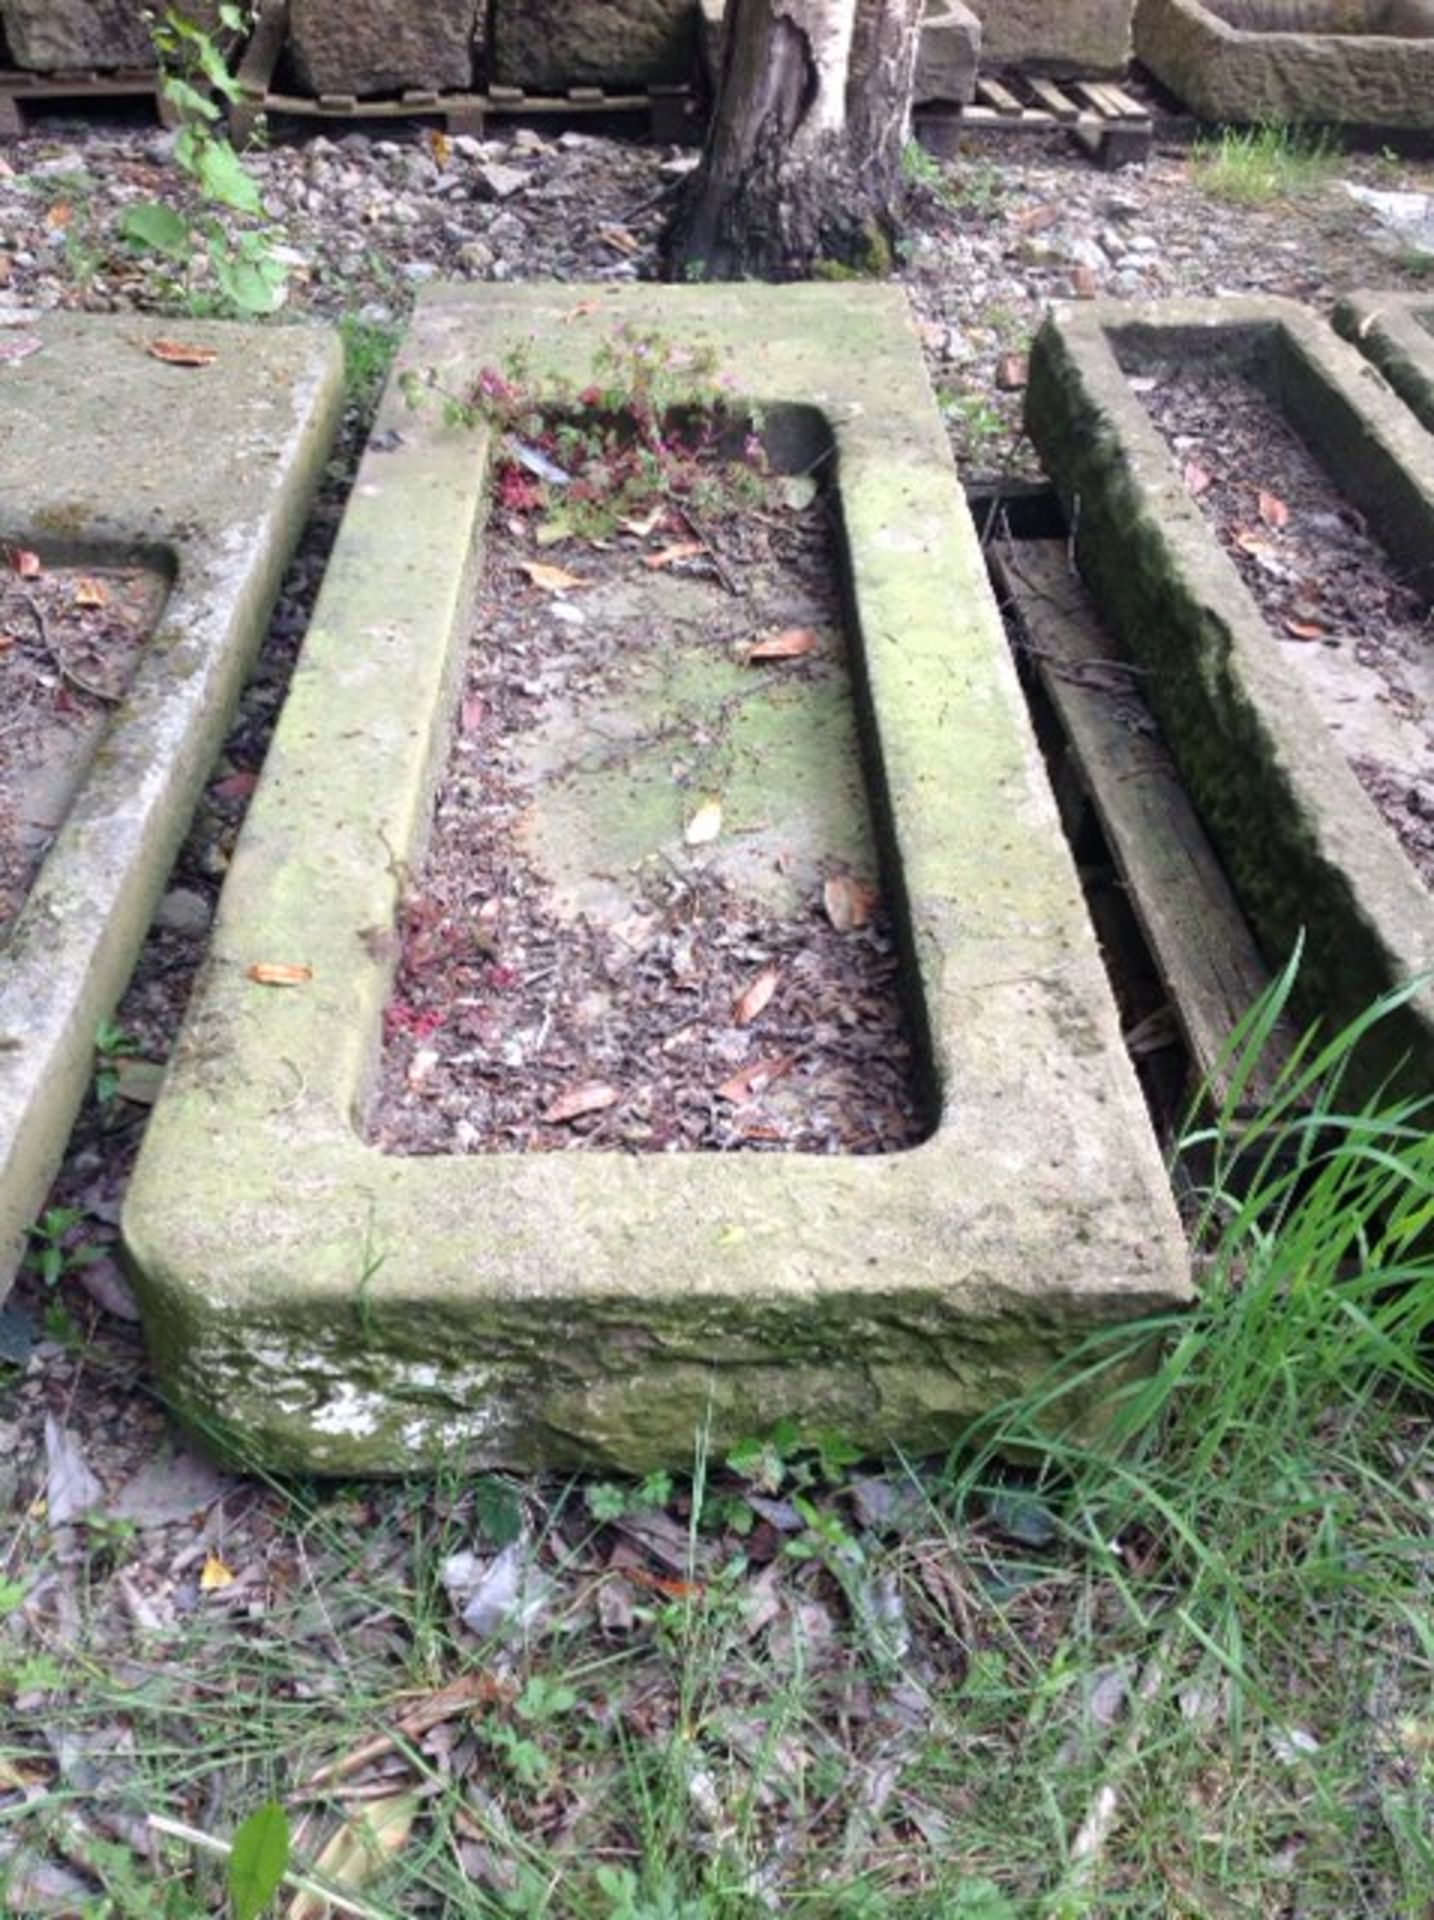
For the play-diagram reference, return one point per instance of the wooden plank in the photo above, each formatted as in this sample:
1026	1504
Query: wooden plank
995	95
1125	105
1197	935
1095	95
1051	97
585	96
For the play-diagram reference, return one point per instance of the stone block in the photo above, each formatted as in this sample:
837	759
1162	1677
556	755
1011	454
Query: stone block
548	45
948	55
383	46
54	35
1234	61
1396	332
1075	37
1306	849
205	473
317	1304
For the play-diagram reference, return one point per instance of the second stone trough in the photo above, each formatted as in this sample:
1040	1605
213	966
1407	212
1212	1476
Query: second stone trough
317	1304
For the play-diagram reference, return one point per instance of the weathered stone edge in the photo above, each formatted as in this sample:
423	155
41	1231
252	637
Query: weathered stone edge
1388	329
1250	744
1226	74
70	953
344	1311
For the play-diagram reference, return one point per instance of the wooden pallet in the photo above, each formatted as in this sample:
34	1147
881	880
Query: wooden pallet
1192	924
1111	126
20	92
669	110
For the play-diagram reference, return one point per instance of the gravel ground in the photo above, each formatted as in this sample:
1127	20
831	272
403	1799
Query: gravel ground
363	222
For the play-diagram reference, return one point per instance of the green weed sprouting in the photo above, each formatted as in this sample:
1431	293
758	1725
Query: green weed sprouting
652	425
224	214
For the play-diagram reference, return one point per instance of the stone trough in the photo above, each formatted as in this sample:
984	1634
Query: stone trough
202	474
320	1305
1396	332
1306	849
1366	63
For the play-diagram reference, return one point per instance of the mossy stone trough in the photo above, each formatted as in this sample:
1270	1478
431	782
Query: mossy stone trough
1396	332
1305	847
112	455
318	1305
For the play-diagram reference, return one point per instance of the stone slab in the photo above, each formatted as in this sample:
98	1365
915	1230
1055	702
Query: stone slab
1090	37
1226	72
549	45
1396	332
323	1307
1304	845
360	47
205	472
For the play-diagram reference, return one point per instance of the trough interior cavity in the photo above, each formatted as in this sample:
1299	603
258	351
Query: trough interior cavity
655	912
1399	19
74	623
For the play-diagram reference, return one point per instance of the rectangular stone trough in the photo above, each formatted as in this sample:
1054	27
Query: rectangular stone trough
323	1306
203	474
1366	63
1305	847
1396	332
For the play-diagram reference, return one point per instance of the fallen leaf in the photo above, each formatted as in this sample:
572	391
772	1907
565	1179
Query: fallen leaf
755	1079
215	1575
1273	511
180	353
60	215
705	825
848	902
577	312
458	1697
619	239
359	1850
470	716
18	348
235	786
1197	480
439	145
757	997
1083	281
1248	541
590	1096
661	1583
1304	630
91	593
669	556
550	579
647	523
71	1490
20	560
790	644
266	974
139	1081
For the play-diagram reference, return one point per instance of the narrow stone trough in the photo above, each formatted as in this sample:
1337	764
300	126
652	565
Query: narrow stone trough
319	1304
1266	720
1365	63
1396	332
199	476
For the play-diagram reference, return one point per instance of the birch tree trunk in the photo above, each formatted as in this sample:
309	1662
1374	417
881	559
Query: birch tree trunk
802	164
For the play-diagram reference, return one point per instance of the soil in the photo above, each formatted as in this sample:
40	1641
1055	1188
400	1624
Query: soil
70	639
582	965
1354	630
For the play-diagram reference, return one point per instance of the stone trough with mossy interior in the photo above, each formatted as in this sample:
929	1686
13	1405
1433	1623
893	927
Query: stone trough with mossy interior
1363	63
611	1277
169	466
1304	739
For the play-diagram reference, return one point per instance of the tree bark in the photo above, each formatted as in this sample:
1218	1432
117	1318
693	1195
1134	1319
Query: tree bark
802	166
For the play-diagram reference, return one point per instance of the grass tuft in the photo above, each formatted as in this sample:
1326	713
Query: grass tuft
1257	166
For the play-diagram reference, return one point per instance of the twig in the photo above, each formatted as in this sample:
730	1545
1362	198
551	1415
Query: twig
207	1843
719	565
62	666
